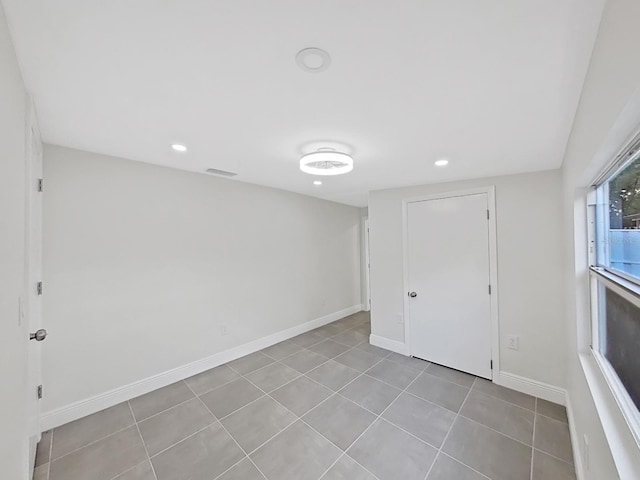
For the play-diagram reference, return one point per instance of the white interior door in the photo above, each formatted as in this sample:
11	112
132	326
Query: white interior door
33	277
449	277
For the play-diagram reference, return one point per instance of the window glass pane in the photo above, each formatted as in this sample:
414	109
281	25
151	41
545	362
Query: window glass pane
619	221
619	338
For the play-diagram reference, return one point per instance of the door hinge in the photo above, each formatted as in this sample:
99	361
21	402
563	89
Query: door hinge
489	289
487	214
40	184
39	288
39	392
491	364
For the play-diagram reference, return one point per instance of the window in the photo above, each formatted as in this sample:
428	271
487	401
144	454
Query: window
614	208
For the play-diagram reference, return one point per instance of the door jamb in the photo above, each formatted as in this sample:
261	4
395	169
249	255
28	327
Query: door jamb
493	266
31	129
367	263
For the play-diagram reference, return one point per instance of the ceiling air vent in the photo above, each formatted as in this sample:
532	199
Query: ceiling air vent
224	173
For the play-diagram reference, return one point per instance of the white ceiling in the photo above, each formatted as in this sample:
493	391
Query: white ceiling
492	85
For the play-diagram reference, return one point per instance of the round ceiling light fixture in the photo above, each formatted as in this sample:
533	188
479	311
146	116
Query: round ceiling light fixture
441	163
326	161
317	182
178	147
314	60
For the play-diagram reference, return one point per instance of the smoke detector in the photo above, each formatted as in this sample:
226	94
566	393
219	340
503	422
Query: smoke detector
313	60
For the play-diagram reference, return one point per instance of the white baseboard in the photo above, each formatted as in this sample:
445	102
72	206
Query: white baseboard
387	344
82	408
532	387
575	441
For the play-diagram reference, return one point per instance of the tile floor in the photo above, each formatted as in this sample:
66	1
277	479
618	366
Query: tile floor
323	405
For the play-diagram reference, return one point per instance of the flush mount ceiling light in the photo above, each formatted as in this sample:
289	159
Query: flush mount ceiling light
326	161
179	147
441	163
314	60
317	182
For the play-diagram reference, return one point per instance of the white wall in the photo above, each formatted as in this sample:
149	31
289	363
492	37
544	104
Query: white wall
13	332
143	265
529	225
608	113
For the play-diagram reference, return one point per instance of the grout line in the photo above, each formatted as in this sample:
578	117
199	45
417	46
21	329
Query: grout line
275	344
504	400
464	464
185	438
135	422
216	387
130	469
426	370
378	416
143	442
235	411
496	431
162	411
50	454
246	457
342	452
551	418
95	441
233	438
553	456
297	417
444	440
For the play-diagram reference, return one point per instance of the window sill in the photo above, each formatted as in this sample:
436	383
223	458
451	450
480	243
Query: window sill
620	437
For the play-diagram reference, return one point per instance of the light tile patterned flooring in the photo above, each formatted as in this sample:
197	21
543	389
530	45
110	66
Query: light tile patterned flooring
323	405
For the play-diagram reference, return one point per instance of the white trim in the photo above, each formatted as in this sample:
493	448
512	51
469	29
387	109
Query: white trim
33	271
531	387
578	461
388	344
490	191
82	408
367	268
620	438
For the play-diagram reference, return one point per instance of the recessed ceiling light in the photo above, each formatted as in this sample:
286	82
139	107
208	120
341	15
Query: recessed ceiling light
179	147
326	162
441	163
313	60
317	182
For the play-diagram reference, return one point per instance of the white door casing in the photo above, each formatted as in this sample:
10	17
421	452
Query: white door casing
450	263
367	267
33	267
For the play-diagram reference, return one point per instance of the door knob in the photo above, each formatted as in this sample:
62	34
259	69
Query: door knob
39	335
413	294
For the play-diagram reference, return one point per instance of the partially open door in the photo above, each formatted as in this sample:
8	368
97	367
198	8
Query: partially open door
34	287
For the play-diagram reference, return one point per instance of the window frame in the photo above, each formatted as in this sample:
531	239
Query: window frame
620	283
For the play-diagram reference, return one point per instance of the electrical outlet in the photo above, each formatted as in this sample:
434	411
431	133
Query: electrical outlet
399	319
223	330
513	342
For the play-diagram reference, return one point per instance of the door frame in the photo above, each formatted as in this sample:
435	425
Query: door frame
367	267
490	191
32	132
